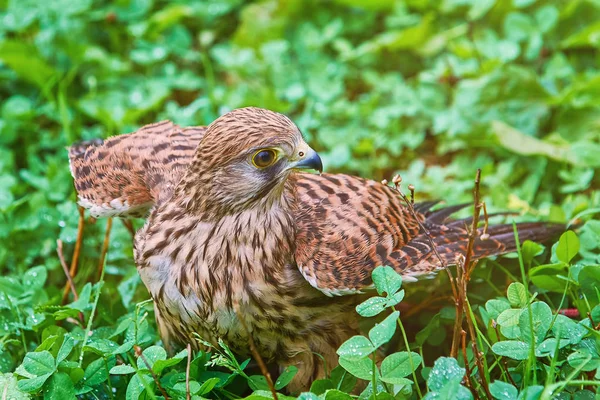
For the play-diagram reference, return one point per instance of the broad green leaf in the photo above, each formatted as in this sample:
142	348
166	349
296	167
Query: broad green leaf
208	386
258	382
510	317
39	363
386	280
320	386
529	250
398	365
503	391
568	329
98	371
547	277
541	317
444	371
495	307
334	394
137	385
24	59
150	356
342	380
517	294
589	280
383	332
33	384
360	368
356	348
65	348
549	346
285	377
568	247
514	349
371	307
122	369
60	387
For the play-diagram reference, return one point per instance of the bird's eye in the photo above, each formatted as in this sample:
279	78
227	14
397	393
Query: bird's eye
264	158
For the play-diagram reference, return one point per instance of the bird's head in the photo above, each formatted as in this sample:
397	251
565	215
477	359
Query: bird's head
245	157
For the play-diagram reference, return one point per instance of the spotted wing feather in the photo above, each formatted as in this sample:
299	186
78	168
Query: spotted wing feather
347	226
126	175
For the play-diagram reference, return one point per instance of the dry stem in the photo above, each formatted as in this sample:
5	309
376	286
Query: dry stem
139	353
105	246
76	252
256	355
188	394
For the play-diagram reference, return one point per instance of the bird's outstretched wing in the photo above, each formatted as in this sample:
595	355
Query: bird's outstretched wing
347	226
126	175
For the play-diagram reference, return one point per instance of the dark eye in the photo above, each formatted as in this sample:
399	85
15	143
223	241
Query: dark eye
264	158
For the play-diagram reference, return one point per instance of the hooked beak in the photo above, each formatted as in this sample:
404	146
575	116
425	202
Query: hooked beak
309	160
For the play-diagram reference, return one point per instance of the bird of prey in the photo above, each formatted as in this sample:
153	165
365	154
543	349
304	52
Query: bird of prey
236	229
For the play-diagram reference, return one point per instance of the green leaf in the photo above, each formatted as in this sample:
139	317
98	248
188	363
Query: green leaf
96	372
34	278
510	317
342	380
398	365
26	62
549	346
33	384
39	363
383	332
65	348
568	247
445	371
514	349
517	294
568	329
529	250
208	386
286	377
160	364
371	307
356	348
589	280
495	307
334	394
395	299
137	385
151	355
547	277
541	316
320	386
258	382
386	280
60	387
360	368
503	391
122	369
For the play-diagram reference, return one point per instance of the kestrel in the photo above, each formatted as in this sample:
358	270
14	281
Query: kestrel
234	228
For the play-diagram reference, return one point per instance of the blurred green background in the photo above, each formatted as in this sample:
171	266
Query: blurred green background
430	89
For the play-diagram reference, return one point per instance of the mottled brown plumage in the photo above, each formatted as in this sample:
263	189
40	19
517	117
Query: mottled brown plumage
290	251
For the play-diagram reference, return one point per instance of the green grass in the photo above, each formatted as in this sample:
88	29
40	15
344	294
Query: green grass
431	90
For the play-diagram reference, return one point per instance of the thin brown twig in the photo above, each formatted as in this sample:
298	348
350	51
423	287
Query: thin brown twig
255	354
503	363
63	263
140	354
468	380
76	251
104	246
188	394
396	181
129	225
